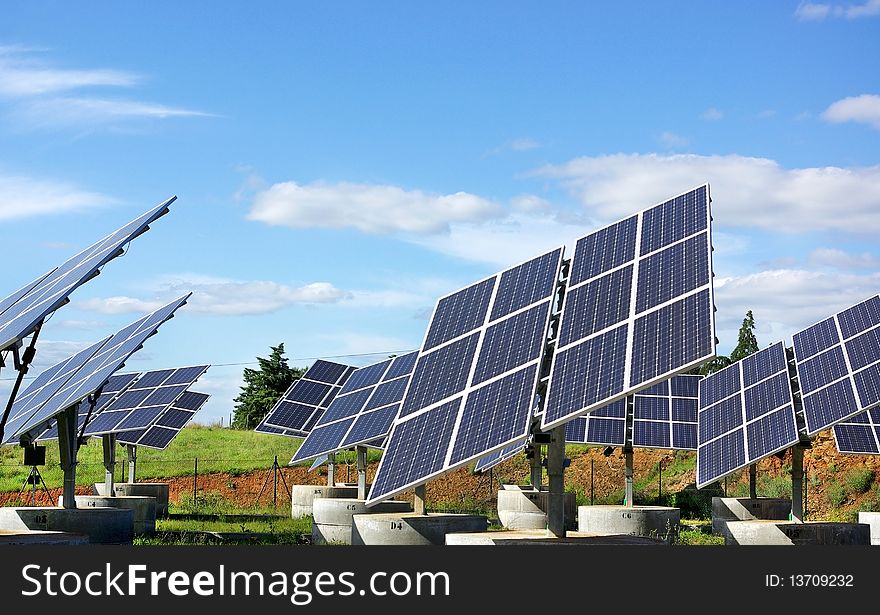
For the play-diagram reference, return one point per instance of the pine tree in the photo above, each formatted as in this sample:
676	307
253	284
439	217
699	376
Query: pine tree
263	387
746	343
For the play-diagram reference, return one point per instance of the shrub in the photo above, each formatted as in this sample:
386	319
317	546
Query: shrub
835	493
859	480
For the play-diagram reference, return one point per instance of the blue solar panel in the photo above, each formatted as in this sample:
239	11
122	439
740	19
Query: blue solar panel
610	432
486	463
367	409
305	401
651	434
83	378
859	434
665	415
752	422
649	317
460	312
145	399
654	408
490	376
27	307
684	436
838	365
605	426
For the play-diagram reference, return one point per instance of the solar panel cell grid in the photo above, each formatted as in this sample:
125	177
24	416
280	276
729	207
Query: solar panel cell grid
460	312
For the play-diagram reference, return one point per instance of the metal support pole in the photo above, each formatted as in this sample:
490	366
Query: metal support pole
556	479
331	470
275	469
67	451
797	484
419	500
195	482
753	481
108	441
362	472
22	366
592	480
660	481
132	451
537	472
628	497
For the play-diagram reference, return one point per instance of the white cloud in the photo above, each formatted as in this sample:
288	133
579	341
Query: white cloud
80	325
219	296
809	11
23	76
712	114
750	192
672	140
22	197
91	111
785	301
529	203
369	208
864	109
838	259
523	144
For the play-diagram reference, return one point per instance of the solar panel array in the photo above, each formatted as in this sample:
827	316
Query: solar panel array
299	409
141	404
746	412
838	365
638	307
168	424
74	379
473	387
605	426
363	410
484	464
22	311
859	434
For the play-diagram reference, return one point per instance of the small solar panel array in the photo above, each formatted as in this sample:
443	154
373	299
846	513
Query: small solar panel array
747	411
473	386
305	401
168	424
23	310
363	410
74	379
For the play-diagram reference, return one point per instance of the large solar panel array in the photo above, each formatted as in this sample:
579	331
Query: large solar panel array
838	365
746	412
74	379
299	409
859	434
167	425
638	307
363	410
22	311
473	387
143	401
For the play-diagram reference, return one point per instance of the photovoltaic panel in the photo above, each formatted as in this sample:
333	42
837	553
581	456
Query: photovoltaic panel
363	412
859	434
22	311
473	386
144	401
484	464
665	416
638	307
746	413
838	365
605	426
299	409
73	380
160	434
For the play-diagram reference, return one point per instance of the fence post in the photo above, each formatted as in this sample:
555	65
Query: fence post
195	482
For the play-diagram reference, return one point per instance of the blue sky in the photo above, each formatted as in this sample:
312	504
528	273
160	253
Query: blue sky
339	166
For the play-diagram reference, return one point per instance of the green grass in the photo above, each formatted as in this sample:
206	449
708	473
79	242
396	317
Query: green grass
696	537
859	480
217	450
836	493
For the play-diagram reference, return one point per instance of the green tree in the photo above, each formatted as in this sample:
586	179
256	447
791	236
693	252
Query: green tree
263	387
746	343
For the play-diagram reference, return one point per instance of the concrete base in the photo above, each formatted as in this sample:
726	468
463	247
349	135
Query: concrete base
412	529
302	497
159	491
872	520
542	537
748	509
763	532
100	525
144	508
523	508
650	521
332	518
36	537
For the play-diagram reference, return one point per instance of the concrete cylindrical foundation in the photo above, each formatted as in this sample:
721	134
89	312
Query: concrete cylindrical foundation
332	518
651	521
764	532
302	497
748	509
872	520
159	491
100	525
412	529
523	508
144	508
